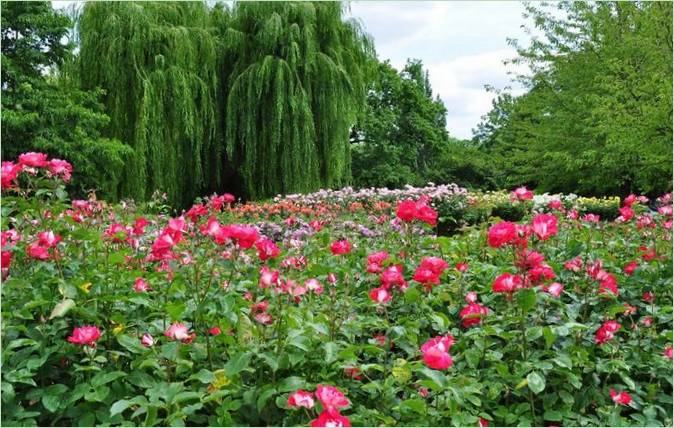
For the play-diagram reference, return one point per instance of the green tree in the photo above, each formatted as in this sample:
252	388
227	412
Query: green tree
597	117
402	132
42	109
294	91
158	63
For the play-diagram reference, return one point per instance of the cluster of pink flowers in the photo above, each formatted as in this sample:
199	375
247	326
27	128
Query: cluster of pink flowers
436	352
40	249
331	399
521	194
389	276
429	271
30	163
473	313
606	332
410	210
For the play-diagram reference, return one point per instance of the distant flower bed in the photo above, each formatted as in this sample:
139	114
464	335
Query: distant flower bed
337	308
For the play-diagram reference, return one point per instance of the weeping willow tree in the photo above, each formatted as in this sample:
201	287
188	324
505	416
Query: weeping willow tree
294	84
158	63
263	94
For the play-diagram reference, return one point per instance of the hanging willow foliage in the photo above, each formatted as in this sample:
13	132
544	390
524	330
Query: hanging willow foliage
265	93
293	92
158	64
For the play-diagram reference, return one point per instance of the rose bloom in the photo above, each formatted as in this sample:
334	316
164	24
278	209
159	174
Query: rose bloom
648	297
606	332
630	267
377	258
380	295
215	331
314	285
622	398
472	314
177	331
506	283
147	340
86	335
436	352
263	318
37	251
502	233
407	210
301	398
668	352
340	247
522	194
141	285
32	159
555	289
331	418
574	265
61	168
267	249
331	397
544	226
462	267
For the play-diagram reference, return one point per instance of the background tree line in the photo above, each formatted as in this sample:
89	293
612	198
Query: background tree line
267	98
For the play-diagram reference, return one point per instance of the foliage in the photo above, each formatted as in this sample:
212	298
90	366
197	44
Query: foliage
207	337
402	132
597	117
259	98
296	85
157	63
42	109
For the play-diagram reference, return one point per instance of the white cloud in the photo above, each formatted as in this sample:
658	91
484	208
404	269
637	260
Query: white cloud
462	44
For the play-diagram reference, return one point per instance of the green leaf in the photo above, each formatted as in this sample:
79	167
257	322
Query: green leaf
119	406
62	308
552	415
536	382
106	377
264	397
175	309
564	360
526	299
291	383
549	336
331	349
237	363
97	394
52	397
204	376
415	405
438	382
117	258
131	344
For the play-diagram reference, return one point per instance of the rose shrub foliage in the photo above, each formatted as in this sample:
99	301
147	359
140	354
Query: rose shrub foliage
330	312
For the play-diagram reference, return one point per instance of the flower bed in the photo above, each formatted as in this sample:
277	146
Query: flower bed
295	313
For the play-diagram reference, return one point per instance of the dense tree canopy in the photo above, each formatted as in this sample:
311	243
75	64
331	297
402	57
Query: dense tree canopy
259	98
597	117
157	62
42	108
402	137
295	88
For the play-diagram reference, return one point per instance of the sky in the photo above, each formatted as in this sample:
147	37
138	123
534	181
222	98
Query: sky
462	44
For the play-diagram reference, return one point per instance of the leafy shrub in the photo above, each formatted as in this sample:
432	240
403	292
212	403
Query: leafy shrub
222	315
511	211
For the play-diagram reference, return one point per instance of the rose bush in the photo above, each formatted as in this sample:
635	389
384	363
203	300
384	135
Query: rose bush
292	313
